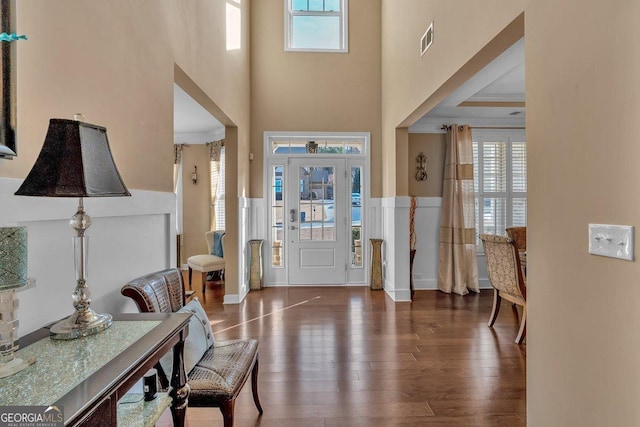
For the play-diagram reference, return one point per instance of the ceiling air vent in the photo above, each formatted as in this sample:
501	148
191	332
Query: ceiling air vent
426	40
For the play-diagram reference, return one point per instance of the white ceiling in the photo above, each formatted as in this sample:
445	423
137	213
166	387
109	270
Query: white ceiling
192	124
501	81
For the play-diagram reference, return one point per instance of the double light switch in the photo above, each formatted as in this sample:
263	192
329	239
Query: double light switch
615	241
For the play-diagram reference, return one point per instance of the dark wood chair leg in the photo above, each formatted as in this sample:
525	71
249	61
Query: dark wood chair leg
227	408
204	282
496	307
190	274
254	386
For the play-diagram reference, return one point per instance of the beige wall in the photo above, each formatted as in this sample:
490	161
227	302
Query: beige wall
582	95
410	83
583	98
432	145
293	91
114	62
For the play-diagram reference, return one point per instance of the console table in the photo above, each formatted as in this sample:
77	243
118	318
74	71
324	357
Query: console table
86	377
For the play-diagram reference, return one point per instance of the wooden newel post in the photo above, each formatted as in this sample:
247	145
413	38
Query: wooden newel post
376	263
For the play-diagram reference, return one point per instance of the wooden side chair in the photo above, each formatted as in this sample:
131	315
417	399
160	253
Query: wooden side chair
519	234
216	370
506	276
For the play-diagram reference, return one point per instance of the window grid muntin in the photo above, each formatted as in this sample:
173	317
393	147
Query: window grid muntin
351	147
311	2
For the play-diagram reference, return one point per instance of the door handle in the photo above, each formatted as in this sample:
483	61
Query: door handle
292	227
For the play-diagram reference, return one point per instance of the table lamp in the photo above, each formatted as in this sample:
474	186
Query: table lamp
76	161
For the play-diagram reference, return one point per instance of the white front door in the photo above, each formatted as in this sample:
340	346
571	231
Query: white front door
316	209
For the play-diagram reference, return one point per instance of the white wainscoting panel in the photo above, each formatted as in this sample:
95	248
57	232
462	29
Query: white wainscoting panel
244	252
425	265
483	276
129	237
395	247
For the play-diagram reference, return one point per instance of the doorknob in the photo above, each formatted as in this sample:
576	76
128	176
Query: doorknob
292	227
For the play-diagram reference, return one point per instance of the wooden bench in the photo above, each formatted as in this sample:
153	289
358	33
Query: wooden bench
218	376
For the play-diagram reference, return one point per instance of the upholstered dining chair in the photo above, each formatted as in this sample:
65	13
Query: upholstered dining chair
216	370
206	263
506	276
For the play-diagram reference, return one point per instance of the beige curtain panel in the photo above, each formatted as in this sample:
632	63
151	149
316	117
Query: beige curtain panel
457	266
214	162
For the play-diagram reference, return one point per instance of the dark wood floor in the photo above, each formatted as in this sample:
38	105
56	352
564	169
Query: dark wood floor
349	356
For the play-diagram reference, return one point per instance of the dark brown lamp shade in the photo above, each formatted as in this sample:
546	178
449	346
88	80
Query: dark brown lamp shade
75	161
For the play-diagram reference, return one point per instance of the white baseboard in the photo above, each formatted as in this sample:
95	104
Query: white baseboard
401	295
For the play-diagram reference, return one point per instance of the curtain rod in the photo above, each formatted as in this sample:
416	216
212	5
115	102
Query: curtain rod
497	127
188	145
445	127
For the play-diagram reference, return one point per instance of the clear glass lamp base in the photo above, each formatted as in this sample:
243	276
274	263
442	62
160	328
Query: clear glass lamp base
14	366
80	325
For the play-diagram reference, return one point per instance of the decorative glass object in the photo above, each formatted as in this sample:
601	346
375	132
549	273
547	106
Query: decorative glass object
13	275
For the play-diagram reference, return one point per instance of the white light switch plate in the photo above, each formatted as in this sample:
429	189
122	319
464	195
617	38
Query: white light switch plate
615	241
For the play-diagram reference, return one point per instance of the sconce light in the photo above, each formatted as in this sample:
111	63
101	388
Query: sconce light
194	175
421	173
312	147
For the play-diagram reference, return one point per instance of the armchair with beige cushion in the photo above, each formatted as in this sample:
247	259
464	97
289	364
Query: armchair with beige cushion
208	262
506	276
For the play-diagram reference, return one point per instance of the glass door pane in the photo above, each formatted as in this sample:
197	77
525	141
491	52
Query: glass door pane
316	195
277	215
356	216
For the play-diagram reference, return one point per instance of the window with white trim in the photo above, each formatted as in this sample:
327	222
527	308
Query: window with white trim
316	25
217	176
500	181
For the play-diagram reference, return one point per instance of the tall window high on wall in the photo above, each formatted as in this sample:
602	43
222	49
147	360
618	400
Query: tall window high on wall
316	25
500	180
217	171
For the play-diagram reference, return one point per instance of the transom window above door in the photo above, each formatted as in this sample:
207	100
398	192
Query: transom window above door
315	146
316	25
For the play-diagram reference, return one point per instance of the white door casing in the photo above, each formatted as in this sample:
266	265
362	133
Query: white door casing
291	257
